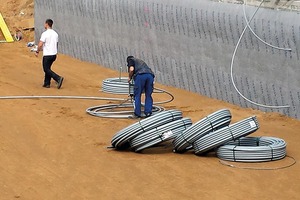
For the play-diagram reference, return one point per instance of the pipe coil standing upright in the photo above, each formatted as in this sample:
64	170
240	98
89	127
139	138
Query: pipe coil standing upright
253	149
210	123
160	134
120	139
225	134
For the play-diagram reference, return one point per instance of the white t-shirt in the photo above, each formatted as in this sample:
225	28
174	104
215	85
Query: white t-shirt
50	40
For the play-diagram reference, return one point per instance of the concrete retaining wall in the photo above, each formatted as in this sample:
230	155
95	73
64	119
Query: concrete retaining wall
189	44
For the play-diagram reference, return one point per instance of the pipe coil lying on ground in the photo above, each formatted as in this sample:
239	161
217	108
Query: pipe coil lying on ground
225	134
160	134
121	138
121	86
206	125
253	149
99	111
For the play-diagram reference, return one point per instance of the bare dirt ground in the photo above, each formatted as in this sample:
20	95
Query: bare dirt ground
51	149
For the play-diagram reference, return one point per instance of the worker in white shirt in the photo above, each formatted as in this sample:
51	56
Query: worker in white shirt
48	44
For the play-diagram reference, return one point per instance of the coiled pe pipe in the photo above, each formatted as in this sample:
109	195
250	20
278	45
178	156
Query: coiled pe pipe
253	149
160	134
221	136
121	139
112	110
117	86
210	123
121	86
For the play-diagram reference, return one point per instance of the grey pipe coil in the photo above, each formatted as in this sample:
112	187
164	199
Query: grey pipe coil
117	86
121	86
99	111
225	134
120	139
204	126
160	134
253	149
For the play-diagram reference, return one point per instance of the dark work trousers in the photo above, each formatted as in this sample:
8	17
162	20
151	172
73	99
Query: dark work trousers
47	63
143	82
